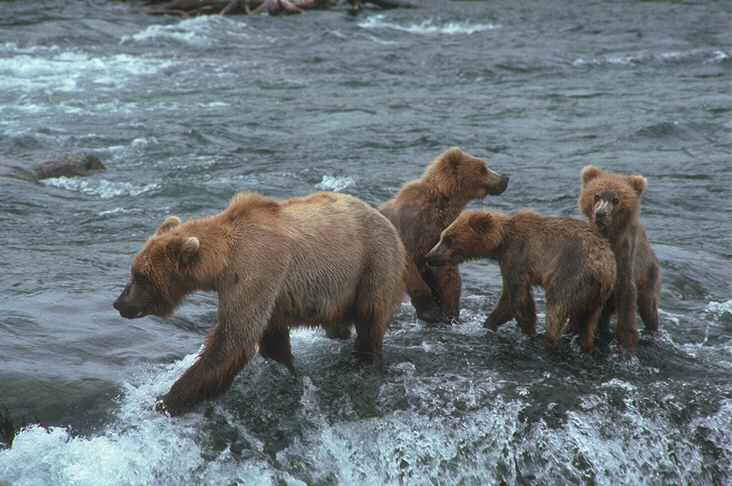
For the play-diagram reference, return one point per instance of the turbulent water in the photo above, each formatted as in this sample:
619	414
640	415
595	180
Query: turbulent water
184	112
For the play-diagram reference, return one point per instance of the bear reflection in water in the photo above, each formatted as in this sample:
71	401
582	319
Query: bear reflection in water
325	260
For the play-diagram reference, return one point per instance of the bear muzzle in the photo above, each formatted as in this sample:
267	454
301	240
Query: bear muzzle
434	260
497	189
602	215
127	309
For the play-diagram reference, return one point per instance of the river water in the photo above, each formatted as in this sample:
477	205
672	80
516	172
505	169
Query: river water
184	112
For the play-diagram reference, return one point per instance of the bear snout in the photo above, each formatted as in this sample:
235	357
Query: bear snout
497	189
434	260
600	217
125	308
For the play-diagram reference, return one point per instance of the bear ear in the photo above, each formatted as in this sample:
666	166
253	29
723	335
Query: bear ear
589	172
638	183
481	222
188	249
170	223
452	157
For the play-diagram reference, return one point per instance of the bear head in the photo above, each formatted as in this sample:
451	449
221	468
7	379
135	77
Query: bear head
474	234
610	201
457	174
158	283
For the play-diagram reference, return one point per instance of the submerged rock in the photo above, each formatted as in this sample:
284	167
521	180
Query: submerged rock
67	165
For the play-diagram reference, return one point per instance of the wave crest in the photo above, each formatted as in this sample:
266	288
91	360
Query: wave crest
427	27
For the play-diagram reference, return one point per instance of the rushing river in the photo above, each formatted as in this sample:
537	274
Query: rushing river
184	112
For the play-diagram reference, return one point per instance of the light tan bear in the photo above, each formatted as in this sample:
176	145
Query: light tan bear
324	260
421	210
565	256
611	202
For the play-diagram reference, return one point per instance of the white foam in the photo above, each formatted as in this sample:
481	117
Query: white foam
140	447
705	56
114	211
719	56
718	309
63	71
427	27
191	31
99	187
454	431
330	183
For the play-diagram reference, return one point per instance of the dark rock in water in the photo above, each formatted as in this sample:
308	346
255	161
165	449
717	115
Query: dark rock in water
67	165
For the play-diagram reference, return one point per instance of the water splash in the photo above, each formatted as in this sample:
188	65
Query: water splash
99	187
337	184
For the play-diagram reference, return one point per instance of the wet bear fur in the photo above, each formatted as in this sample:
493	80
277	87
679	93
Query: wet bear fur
611	202
565	256
421	210
325	260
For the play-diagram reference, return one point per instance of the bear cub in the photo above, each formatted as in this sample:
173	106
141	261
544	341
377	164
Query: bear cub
325	260
421	210
565	256
611	203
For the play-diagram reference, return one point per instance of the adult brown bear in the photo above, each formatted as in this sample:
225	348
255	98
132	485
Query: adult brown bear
324	260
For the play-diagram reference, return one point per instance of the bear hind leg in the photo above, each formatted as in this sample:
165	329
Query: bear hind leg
556	315
648	293
524	308
603	322
370	322
585	322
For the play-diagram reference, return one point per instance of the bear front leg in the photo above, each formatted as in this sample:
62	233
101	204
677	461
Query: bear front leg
420	295
242	318
447	288
211	374
501	312
626	330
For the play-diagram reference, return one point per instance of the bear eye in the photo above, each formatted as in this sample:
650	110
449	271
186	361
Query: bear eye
447	240
140	279
484	170
597	197
615	201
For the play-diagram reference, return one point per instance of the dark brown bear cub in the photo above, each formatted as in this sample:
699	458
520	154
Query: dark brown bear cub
611	202
565	256
421	210
324	260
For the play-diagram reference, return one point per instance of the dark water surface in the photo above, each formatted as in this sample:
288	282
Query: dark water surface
185	112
